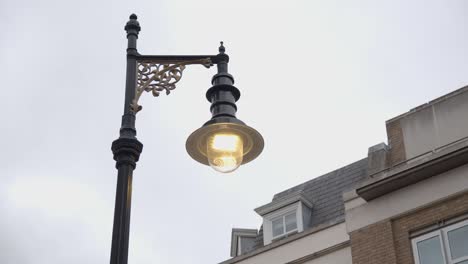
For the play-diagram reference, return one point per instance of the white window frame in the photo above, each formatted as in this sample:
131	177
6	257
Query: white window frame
268	221
283	218
449	253
444	243
415	242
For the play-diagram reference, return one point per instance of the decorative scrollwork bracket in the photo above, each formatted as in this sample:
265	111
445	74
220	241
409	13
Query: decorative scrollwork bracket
156	76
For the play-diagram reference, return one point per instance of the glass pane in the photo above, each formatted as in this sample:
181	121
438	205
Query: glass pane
458	240
290	221
277	226
463	262
430	252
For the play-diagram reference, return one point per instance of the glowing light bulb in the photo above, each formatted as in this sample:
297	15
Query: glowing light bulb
225	152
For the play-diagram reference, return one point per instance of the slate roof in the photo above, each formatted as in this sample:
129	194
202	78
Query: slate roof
325	192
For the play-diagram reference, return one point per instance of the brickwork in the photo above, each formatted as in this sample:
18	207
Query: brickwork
373	244
395	142
388	242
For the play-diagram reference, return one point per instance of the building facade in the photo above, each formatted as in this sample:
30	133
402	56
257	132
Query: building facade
405	203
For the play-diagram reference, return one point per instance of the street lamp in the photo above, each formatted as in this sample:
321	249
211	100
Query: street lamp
224	142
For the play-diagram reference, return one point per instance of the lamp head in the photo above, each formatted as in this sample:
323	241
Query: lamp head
225	146
224	142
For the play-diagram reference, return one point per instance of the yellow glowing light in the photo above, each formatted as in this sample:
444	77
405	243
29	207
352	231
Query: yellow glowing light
226	142
225	152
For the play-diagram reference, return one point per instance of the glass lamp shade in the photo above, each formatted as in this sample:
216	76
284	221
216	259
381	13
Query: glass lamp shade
224	151
224	146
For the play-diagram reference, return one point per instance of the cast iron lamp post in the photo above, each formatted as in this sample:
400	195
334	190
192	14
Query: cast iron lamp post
224	142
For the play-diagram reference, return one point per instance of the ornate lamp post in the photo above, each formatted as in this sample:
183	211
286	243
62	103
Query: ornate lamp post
224	142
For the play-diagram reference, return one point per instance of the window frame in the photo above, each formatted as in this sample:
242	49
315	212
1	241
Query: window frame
268	224
442	234
446	240
415	241
283	218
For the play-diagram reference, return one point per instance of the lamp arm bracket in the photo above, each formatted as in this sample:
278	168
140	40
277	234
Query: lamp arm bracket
156	74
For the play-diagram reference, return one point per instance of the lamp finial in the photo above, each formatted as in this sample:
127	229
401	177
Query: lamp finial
221	49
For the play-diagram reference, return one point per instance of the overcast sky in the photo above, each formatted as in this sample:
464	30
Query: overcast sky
318	80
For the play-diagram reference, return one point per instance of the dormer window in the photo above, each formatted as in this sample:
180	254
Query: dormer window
283	225
242	241
285	216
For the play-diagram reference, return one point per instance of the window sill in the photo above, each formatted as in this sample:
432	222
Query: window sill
284	236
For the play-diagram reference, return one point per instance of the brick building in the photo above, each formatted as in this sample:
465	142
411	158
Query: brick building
406	202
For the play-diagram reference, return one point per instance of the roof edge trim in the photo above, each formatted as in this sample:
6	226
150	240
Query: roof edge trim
282	202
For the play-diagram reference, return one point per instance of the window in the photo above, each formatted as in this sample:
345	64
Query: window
283	218
284	224
448	245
